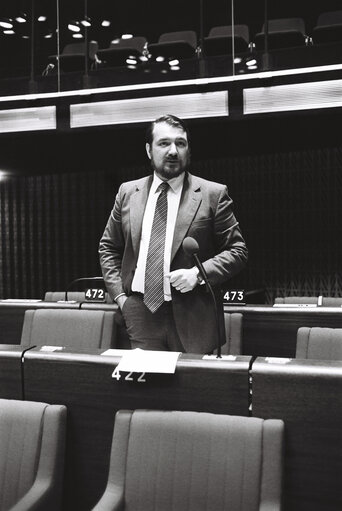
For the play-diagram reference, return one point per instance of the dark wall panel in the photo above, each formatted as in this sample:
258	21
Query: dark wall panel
286	192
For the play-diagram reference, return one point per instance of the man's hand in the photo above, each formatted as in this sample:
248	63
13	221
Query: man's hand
121	300
183	280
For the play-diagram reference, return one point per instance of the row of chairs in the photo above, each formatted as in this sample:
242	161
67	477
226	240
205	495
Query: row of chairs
231	460
282	33
97	329
324	301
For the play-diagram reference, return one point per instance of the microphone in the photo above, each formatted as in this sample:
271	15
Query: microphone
191	248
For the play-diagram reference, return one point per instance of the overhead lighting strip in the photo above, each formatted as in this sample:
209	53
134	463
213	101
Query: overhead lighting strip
187	106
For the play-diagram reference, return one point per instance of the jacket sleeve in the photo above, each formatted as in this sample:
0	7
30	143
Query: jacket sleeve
111	249
230	247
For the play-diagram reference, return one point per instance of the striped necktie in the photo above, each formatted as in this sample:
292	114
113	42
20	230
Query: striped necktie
154	272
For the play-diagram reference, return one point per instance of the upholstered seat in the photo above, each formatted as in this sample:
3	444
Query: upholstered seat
319	343
180	44
32	437
86	329
296	299
191	461
220	40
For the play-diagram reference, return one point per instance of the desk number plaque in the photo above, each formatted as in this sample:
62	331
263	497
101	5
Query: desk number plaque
234	297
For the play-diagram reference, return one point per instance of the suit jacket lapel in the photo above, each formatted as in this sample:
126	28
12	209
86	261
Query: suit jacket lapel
190	200
137	206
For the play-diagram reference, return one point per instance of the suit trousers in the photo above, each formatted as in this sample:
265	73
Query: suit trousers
150	331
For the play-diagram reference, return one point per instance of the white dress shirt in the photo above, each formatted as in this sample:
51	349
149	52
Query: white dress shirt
173	199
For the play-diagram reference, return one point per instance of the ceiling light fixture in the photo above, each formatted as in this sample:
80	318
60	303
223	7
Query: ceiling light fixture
86	22
73	26
6	23
22	18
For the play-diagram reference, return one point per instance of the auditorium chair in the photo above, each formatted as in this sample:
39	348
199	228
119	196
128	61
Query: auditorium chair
328	28
118	52
319	343
32	439
233	331
282	33
77	296
332	301
72	57
220	39
181	45
86	329
187	461
296	299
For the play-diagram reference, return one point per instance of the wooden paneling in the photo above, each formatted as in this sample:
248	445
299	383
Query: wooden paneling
307	395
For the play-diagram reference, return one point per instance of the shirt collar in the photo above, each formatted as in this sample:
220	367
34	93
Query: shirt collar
175	183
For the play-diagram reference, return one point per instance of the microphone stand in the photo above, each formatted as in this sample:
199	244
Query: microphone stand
210	289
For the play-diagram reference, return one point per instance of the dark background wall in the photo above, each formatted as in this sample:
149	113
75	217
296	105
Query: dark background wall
283	172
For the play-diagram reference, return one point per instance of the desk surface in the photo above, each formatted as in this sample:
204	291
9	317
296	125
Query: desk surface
84	383
307	395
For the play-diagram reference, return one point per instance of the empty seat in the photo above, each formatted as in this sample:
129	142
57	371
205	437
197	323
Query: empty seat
296	299
77	296
181	45
328	28
32	439
233	331
119	51
86	329
72	57
166	460
332	301
56	296
319	343
220	40
282	33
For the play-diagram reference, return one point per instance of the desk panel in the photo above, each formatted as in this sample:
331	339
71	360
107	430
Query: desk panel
85	385
10	372
307	395
272	331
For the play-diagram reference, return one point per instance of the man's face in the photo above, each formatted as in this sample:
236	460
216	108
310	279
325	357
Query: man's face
169	152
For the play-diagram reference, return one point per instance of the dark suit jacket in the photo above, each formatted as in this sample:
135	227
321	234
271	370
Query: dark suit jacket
205	213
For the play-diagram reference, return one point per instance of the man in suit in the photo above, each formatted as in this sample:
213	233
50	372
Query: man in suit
154	281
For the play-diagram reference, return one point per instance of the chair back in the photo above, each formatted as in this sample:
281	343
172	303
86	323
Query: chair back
332	301
86	329
137	43
233	330
296	299
31	454
329	18
319	343
189	461
57	296
285	25
227	31
188	36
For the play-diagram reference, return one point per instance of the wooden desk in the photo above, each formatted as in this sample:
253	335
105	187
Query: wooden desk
272	331
84	383
307	395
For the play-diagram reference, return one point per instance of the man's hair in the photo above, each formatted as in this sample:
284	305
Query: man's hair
172	120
